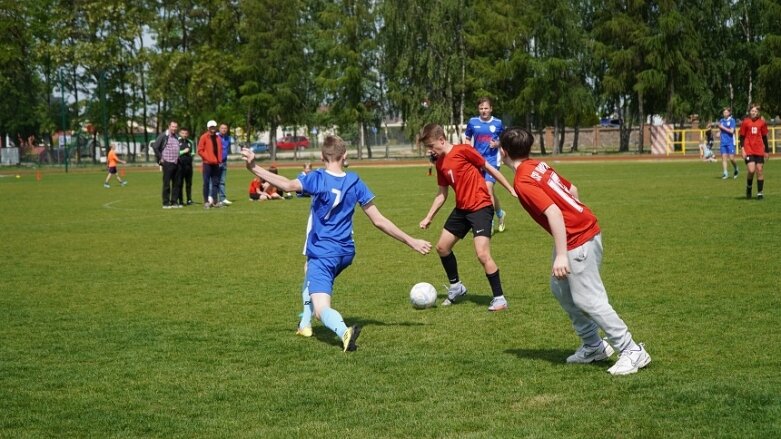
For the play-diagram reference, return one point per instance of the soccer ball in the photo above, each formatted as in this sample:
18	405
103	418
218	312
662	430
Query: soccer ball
423	295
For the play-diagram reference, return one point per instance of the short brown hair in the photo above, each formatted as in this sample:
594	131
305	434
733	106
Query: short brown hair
430	133
485	99
333	148
517	142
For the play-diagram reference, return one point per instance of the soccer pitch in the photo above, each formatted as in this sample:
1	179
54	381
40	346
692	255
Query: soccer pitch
121	319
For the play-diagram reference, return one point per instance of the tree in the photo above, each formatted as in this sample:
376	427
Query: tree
20	85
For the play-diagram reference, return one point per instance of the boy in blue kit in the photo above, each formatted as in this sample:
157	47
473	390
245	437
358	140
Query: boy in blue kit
727	130
484	131
329	247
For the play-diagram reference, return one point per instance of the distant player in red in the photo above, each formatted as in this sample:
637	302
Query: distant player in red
461	167
112	161
753	140
553	203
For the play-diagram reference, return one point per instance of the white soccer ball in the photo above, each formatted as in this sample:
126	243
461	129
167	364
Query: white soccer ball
423	295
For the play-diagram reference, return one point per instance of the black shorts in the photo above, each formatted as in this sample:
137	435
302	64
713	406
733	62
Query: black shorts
755	158
460	221
112	170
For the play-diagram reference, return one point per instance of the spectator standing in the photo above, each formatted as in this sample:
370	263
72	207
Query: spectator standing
754	148
210	150
226	149
167	153
186	150
727	147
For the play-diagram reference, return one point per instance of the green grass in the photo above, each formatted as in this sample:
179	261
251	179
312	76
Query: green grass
120	319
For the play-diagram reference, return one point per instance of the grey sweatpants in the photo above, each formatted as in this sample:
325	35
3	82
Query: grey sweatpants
583	297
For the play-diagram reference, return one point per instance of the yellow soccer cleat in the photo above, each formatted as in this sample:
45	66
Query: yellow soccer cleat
304	332
349	338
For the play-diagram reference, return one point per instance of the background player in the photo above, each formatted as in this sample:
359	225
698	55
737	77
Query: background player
727	147
329	244
553	203
484	131
754	148
112	160
460	166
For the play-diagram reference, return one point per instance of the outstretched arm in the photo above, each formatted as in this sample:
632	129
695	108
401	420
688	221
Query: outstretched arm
279	181
559	231
500	178
390	229
439	200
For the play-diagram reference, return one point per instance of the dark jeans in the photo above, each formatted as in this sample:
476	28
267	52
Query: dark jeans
211	182
170	188
185	178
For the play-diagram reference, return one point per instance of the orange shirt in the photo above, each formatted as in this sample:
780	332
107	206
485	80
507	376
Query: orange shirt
112	159
254	187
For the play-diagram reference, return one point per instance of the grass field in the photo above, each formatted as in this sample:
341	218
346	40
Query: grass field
120	319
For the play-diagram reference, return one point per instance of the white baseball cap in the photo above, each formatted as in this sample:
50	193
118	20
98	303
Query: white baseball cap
211	123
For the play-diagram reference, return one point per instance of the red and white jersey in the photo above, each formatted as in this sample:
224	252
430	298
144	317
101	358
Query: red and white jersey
752	131
538	187
461	168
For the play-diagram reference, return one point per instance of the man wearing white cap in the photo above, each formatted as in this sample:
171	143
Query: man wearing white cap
210	150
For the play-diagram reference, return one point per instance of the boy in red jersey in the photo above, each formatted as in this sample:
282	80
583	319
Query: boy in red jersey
461	166
553	203
753	139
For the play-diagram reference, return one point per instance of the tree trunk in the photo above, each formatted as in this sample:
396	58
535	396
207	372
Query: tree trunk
575	135
641	136
144	118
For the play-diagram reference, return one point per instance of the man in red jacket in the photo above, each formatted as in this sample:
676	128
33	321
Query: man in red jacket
210	150
754	148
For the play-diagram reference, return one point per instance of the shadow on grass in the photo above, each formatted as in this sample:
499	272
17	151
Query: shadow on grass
553	356
477	299
325	335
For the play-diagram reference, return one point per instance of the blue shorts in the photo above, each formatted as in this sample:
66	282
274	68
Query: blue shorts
112	170
727	149
321	272
488	177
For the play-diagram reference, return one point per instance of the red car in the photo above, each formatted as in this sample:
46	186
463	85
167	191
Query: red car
293	142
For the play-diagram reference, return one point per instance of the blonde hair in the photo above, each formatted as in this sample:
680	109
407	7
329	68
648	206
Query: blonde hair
333	148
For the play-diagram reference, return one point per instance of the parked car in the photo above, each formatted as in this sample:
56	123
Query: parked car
293	142
259	147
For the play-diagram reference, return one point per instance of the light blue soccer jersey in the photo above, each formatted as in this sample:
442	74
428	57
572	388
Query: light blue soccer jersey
334	196
727	138
481	133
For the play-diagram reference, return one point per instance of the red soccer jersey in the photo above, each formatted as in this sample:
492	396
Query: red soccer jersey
254	186
460	168
538	187
753	130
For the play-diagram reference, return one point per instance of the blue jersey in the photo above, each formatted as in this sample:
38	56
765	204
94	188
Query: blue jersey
334	196
728	139
481	133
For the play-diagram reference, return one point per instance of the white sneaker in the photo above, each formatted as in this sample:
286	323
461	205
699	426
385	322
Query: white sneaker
498	304
227	202
456	291
630	361
587	354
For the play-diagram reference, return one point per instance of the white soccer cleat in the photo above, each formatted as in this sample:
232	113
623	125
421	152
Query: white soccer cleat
498	304
630	361
455	292
588	354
